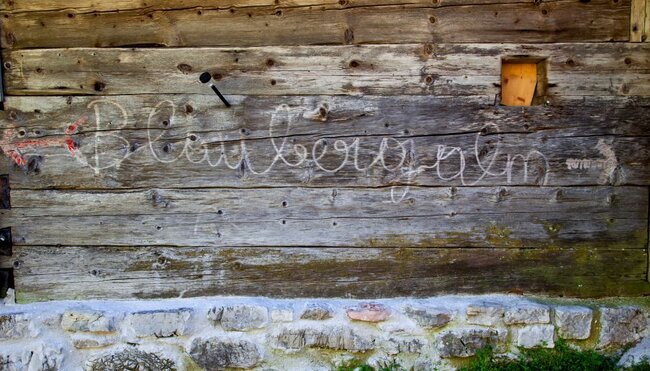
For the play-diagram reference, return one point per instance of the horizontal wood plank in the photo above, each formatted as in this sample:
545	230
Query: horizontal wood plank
98	272
299	203
83	6
126	160
552	21
46	116
422	69
601	217
322	142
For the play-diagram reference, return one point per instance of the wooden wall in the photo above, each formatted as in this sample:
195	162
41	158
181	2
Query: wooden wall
365	153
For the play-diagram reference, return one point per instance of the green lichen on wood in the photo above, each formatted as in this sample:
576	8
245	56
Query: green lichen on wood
498	230
408	240
500	235
495	235
553	229
637	240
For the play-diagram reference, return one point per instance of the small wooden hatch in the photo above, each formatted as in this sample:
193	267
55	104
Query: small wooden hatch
523	81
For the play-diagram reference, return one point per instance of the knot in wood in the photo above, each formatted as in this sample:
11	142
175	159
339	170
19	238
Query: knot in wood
99	86
184	68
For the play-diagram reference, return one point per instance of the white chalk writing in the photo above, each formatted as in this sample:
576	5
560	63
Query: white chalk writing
607	165
399	160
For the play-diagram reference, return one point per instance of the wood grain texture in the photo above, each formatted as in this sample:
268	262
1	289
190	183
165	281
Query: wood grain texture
325	142
344	168
602	217
46	116
637	21
420	69
600	20
82	6
268	204
98	272
646	31
518	83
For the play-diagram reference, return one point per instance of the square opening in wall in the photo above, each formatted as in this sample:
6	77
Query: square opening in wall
523	81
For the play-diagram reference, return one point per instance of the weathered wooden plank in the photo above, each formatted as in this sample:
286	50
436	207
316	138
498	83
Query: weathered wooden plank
147	272
517	229
80	6
47	116
369	154
600	20
602	217
637	20
296	203
125	159
441	69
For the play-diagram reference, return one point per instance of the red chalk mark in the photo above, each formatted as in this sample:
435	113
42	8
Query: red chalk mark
39	143
18	159
72	146
75	125
12	148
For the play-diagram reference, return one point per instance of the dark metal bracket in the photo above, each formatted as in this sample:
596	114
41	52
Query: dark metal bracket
5	242
5	192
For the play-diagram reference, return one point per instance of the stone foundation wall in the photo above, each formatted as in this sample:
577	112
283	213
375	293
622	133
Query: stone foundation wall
298	334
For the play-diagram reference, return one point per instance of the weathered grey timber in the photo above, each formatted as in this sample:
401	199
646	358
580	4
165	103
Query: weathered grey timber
325	142
412	69
428	217
155	272
365	153
332	23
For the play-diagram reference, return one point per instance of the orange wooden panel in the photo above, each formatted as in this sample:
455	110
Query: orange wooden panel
518	81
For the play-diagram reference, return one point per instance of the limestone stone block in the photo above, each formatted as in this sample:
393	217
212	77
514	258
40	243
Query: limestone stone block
218	353
14	325
242	317
485	314
131	359
621	326
639	353
318	312
34	357
527	314
429	317
330	337
404	344
535	336
573	322
81	320
159	323
465	342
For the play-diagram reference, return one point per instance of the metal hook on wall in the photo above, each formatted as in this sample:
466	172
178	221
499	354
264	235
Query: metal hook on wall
205	78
